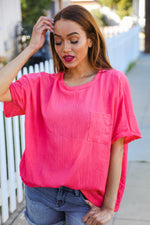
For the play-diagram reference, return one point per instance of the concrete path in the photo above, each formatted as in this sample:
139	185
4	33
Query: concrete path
134	208
135	205
139	79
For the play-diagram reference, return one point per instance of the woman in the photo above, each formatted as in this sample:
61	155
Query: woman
78	123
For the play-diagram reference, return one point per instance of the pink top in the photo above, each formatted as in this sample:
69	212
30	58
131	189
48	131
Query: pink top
69	130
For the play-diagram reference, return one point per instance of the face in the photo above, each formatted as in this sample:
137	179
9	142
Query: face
71	44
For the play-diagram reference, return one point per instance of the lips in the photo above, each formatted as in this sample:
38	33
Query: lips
68	58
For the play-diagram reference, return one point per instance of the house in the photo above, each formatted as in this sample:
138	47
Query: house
139	11
10	16
56	5
10	25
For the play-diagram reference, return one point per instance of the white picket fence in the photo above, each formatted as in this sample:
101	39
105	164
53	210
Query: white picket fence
12	144
122	50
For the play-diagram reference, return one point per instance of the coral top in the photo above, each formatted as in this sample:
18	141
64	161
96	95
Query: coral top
69	130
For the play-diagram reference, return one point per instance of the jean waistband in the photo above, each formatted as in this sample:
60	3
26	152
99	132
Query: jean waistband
76	192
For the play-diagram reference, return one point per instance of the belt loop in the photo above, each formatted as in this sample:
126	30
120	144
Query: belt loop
77	193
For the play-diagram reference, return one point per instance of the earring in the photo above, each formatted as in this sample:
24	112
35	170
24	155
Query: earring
90	44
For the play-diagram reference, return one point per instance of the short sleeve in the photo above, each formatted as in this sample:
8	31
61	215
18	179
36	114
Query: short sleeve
19	90
125	123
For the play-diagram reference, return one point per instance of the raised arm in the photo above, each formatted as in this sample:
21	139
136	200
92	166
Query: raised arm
10	71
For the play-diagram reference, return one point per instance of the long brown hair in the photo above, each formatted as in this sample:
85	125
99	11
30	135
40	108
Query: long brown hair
97	53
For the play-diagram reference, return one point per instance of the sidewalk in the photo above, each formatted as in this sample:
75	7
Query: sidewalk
139	79
134	208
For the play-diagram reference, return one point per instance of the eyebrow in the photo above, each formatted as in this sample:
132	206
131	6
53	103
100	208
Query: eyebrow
67	34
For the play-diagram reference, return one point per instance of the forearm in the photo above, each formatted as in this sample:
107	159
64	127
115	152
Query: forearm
114	175
10	71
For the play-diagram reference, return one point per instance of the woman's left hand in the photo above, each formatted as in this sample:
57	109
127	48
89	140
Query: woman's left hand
97	215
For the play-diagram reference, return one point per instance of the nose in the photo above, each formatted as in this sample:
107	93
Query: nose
67	46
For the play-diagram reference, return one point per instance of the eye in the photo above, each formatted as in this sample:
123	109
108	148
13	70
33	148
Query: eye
74	42
58	43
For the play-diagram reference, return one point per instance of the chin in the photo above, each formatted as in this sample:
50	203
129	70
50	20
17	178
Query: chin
70	66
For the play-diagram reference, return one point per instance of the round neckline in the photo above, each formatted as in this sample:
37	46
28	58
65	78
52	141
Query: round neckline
79	86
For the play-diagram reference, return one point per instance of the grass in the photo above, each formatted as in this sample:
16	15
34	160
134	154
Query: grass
130	67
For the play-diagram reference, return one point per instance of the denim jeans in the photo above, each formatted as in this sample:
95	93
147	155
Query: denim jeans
54	206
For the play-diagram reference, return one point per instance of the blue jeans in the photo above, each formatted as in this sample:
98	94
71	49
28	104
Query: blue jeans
54	206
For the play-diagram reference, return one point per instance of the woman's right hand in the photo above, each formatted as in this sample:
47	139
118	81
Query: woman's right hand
39	31
10	71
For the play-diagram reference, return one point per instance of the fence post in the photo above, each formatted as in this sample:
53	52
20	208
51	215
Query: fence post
22	118
22	121
3	170
41	66
11	170
17	158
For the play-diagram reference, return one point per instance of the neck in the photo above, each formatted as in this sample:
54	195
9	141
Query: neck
80	73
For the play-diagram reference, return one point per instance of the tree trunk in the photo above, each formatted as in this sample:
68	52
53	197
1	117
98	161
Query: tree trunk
147	27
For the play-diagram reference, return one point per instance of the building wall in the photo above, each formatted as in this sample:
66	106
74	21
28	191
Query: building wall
139	11
59	4
10	15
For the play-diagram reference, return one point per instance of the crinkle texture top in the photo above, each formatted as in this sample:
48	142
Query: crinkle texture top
69	130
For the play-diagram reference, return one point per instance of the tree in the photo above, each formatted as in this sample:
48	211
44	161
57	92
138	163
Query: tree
100	18
147	27
122	7
32	10
110	3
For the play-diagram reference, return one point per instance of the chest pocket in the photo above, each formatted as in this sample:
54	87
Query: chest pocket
100	127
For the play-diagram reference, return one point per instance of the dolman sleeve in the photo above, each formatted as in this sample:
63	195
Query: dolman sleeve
19	89
125	123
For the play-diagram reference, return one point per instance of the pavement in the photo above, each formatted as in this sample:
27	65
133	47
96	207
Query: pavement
135	205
